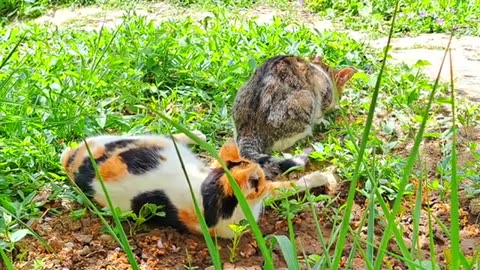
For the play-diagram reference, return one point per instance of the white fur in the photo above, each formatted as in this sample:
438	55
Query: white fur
327	77
167	177
289	142
315	179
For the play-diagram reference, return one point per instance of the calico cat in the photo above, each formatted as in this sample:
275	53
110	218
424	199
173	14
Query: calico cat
279	105
146	169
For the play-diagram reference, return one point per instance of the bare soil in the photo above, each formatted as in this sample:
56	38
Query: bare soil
81	243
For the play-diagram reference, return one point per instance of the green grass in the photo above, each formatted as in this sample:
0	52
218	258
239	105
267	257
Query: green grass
414	17
24	9
61	85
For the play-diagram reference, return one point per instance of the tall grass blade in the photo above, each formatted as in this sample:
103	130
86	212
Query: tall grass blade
99	214
35	234
454	204
356	240
288	250
325	255
408	168
416	215
121	233
268	263
431	235
293	264
353	184
6	260
212	248
371	216
446	231
5	60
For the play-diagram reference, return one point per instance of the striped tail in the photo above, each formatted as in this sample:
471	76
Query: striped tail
252	149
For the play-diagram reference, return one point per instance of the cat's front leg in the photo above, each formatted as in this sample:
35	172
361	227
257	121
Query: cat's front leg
318	179
311	180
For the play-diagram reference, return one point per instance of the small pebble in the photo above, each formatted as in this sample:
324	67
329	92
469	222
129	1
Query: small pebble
69	245
106	238
468	245
84	251
175	248
46	228
160	244
83	238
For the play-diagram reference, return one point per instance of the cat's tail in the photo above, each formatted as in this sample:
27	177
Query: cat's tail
273	166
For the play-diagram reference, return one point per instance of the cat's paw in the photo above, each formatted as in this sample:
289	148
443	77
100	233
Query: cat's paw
183	138
319	179
199	134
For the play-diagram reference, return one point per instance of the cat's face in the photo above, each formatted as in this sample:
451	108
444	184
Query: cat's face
339	77
248	175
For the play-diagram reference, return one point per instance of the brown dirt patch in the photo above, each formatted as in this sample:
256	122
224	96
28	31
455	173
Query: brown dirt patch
82	244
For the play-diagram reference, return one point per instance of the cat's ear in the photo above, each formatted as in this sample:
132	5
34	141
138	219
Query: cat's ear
344	75
229	151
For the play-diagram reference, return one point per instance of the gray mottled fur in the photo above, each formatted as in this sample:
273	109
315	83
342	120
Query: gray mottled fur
280	104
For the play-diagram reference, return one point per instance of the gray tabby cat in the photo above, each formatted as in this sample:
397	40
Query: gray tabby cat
280	104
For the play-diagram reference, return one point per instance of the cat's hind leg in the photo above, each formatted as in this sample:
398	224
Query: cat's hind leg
183	138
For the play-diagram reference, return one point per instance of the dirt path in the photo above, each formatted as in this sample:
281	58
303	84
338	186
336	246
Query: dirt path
430	47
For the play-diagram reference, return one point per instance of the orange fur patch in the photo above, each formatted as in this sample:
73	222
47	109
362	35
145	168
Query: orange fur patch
189	219
65	159
113	169
229	151
227	188
98	152
100	200
78	160
262	187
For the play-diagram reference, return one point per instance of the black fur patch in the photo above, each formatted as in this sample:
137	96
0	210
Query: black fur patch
86	173
111	146
254	182
216	204
72	157
286	164
263	160
158	197
231	164
141	159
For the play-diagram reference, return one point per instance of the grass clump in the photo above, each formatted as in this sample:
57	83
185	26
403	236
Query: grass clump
414	17
11	9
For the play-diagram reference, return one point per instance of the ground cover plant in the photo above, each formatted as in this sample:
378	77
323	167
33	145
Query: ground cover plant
397	207
414	17
11	9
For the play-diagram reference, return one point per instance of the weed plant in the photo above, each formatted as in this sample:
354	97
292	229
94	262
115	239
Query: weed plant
414	17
